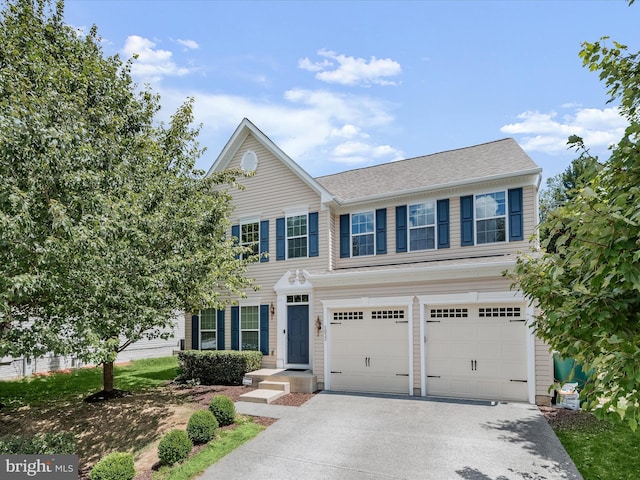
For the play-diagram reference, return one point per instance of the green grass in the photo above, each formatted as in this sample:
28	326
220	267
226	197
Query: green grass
225	442
602	451
140	375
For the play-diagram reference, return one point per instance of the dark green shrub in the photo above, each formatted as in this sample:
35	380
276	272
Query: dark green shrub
45	444
223	409
217	367
202	426
174	447
115	466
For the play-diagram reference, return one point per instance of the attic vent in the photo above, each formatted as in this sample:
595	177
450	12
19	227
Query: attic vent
249	162
449	313
386	314
493	312
339	316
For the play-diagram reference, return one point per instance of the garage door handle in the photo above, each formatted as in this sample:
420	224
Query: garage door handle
521	381
402	374
335	371
433	376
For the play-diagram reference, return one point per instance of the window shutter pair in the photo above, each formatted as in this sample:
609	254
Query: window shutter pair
264	238
281	236
195	331
380	233
516	219
442	224
264	328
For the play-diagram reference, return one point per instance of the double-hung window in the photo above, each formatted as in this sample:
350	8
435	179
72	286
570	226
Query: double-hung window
422	226
362	234
208	330
491	217
250	238
250	328
297	236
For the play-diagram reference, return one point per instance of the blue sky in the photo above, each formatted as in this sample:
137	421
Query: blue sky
346	84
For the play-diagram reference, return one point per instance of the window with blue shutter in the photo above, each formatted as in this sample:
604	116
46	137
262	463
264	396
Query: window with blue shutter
281	239
443	223
345	236
466	221
516	228
221	327
381	231
235	232
195	332
313	234
264	240
235	328
401	229
264	329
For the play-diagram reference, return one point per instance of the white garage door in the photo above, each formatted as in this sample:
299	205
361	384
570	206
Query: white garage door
369	350
477	352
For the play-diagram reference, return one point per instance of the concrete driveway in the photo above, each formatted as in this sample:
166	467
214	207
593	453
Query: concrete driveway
336	436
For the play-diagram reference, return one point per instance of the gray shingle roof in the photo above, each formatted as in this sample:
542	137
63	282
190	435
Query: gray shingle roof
501	157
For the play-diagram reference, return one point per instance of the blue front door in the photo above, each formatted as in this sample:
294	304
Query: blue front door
298	334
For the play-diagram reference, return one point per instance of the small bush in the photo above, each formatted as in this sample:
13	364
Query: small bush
202	426
217	367
115	466
174	447
223	409
46	444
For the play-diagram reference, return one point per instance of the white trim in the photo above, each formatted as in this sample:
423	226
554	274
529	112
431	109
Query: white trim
296	211
531	355
472	298
250	219
423	352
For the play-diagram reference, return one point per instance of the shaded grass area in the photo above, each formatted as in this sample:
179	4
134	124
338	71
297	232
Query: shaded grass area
600	450
32	391
226	441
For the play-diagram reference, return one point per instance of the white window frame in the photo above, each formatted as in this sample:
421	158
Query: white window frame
293	237
476	219
208	330
242	330
426	226
353	235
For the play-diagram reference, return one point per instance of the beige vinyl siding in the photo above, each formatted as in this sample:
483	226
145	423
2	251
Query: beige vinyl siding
455	250
544	370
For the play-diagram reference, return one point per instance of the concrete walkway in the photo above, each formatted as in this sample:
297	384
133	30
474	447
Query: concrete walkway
335	436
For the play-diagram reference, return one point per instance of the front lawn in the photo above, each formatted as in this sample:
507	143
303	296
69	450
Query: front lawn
601	451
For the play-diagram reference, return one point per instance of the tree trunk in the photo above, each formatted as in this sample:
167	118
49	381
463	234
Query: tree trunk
107	377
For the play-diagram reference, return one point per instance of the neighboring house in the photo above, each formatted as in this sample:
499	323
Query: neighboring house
386	278
11	367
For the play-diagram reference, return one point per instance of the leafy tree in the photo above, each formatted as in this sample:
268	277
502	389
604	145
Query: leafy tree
106	228
588	289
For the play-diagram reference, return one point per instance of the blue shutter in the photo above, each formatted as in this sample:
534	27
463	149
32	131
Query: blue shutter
220	329
235	328
401	229
381	231
313	234
443	223
235	232
195	332
280	238
264	240
264	329
516	230
345	234
466	221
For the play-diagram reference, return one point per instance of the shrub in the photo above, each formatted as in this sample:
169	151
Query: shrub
217	367
45	444
174	447
202	426
223	409
115	466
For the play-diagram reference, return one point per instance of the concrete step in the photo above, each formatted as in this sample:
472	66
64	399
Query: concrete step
271	385
261	396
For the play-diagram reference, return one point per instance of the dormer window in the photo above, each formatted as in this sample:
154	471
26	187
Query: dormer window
491	217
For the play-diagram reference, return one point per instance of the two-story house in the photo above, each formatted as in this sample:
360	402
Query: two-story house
386	278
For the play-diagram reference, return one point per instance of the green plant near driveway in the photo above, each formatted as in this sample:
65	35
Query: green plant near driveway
600	450
140	375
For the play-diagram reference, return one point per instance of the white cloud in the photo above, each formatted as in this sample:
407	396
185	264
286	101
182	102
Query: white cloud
188	44
152	64
548	133
344	70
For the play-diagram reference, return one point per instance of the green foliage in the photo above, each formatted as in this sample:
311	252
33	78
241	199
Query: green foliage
115	466
45	444
588	287
223	409
174	447
106	227
218	367
202	426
